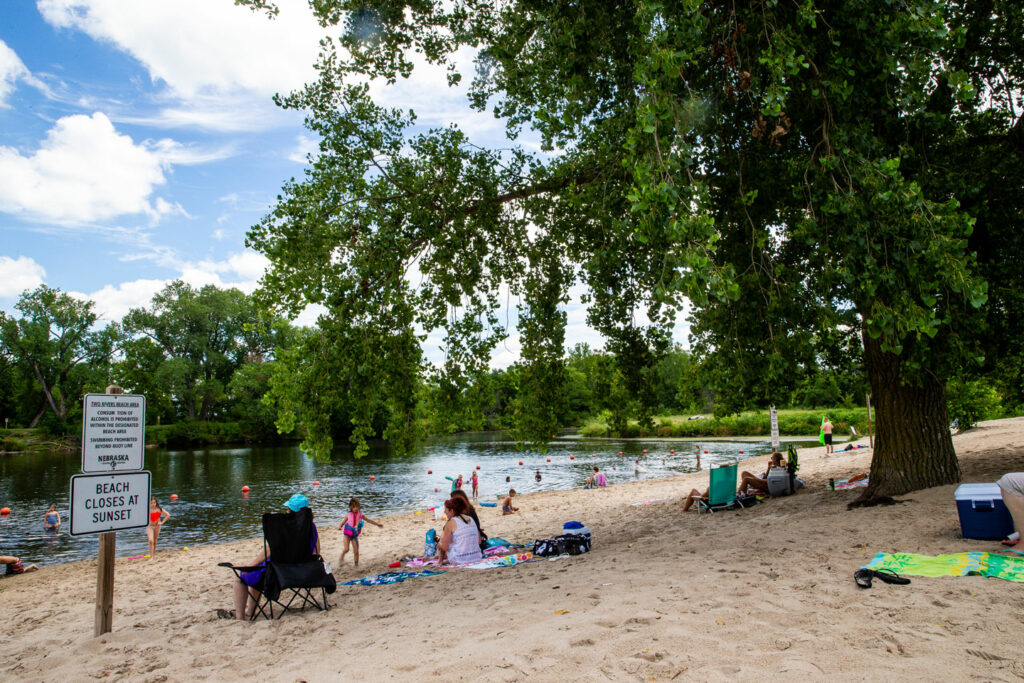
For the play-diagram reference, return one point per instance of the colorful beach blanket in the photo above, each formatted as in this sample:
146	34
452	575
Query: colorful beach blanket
842	484
495	562
388	578
955	564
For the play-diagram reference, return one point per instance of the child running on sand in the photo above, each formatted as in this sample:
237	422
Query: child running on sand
507	508
352	525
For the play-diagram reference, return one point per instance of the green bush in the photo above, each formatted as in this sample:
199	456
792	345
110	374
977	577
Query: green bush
194	434
971	401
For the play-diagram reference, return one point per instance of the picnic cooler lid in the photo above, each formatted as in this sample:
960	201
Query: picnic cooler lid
986	491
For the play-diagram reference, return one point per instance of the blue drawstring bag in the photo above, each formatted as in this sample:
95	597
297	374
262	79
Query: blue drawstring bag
430	544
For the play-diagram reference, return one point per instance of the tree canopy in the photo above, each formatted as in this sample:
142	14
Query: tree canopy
799	171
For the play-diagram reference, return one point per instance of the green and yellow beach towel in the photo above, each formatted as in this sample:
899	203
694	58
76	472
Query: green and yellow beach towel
955	564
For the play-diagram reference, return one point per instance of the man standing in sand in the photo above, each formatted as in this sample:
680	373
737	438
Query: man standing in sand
826	428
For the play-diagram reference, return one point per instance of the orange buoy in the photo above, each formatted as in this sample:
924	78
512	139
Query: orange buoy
741	452
672	450
549	459
430	471
520	462
620	452
316	483
174	496
372	478
645	451
478	466
5	511
593	455
245	489
572	457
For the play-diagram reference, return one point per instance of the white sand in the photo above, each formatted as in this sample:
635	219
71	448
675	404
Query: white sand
662	596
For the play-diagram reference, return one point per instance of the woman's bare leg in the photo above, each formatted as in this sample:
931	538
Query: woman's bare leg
151	539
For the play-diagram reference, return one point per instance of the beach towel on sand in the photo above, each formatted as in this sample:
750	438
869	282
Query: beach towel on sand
388	578
954	564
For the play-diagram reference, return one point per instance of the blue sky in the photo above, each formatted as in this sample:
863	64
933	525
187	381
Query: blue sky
138	143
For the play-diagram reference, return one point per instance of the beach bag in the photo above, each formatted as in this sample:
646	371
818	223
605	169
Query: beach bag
545	547
430	544
574	544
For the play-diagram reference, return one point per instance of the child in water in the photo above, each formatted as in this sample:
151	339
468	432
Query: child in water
51	520
506	505
474	481
352	527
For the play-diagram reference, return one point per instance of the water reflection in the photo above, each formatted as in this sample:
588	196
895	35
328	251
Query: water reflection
211	508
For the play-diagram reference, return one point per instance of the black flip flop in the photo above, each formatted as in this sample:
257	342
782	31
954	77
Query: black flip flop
889	576
863	577
225	614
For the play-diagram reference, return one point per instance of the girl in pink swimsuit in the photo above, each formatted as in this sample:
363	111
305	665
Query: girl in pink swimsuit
352	526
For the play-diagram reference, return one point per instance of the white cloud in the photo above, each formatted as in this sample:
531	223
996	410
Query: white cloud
19	274
304	147
216	58
86	171
12	70
114	301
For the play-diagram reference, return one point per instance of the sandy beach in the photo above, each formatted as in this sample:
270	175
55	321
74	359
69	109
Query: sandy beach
738	595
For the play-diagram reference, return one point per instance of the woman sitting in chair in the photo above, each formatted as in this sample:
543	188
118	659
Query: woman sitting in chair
246	594
749	484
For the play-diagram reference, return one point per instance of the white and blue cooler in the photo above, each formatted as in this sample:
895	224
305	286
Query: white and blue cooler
983	515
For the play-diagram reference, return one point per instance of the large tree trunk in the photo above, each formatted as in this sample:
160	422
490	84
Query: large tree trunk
913	446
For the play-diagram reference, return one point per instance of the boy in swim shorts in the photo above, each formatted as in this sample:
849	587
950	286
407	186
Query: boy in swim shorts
506	505
15	565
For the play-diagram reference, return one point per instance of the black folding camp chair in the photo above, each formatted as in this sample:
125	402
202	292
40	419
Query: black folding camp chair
294	569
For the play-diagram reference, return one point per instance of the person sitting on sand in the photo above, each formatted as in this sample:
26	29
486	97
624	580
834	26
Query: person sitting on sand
507	508
472	514
750	484
51	520
460	538
246	594
692	496
15	565
598	478
1012	487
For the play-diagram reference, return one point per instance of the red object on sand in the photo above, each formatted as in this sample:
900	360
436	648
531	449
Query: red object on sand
394	565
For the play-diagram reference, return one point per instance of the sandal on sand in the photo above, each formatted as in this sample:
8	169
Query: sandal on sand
225	614
863	577
1010	542
889	576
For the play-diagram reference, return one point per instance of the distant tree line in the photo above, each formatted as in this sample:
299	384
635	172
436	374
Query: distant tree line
210	355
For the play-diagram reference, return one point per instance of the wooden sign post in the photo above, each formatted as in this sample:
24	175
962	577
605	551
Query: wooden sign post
114	491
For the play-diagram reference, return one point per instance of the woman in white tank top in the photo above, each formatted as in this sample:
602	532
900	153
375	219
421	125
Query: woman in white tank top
460	539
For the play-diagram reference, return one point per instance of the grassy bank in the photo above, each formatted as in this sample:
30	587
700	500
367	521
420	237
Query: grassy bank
791	422
30	440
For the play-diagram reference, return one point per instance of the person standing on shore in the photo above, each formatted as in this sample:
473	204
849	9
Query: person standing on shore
826	431
474	482
157	517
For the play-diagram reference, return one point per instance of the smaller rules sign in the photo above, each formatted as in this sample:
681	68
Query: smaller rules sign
113	432
109	502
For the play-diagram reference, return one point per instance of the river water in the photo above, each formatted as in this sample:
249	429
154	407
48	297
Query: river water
211	507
